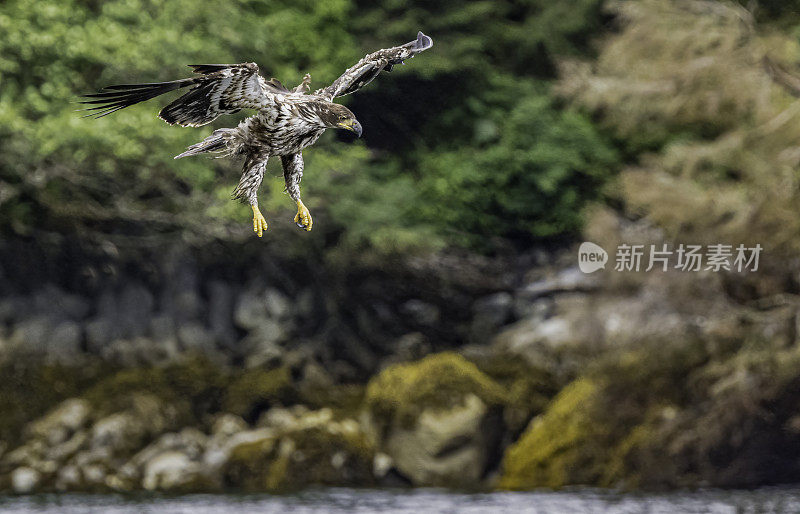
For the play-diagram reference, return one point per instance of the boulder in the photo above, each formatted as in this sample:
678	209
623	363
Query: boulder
488	315
227	424
175	471
32	335
59	425
135	307
445	446
438	419
558	446
314	449
220	447
64	346
192	336
25	480
254	306
99	333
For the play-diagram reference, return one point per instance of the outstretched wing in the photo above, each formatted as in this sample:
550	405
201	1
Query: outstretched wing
221	89
365	70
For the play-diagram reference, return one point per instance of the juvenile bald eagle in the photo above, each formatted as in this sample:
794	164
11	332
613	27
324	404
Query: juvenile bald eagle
287	121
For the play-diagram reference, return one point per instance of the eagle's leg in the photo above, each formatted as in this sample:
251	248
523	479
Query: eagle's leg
247	190
303	217
292	174
259	222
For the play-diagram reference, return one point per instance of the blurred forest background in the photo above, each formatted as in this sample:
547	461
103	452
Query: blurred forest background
149	341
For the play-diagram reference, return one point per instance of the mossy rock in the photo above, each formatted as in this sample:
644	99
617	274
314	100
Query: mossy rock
322	457
529	389
257	389
561	447
249	462
401	392
31	388
345	399
194	386
316	455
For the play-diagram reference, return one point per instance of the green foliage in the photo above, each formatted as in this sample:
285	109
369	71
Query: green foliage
482	150
117	173
531	176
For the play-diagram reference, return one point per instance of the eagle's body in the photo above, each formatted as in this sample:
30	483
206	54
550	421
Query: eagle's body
287	121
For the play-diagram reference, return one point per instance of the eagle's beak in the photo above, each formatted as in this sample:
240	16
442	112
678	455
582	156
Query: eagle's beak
351	125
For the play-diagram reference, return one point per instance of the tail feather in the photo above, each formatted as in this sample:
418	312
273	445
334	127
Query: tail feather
216	142
124	95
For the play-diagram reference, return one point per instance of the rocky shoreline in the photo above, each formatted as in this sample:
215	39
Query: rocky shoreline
438	421
550	378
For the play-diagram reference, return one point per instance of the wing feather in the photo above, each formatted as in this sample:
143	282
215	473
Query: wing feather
365	70
220	89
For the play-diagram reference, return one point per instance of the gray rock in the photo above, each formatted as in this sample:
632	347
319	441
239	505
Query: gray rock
489	314
61	423
262	345
381	464
220	312
57	303
107	305
135	310
140	351
69	478
539	308
254	308
444	447
277	304
122	433
118	432
172	471
162	328
187	305
32	335
193	336
421	312
62	452
94	475
25	480
9	309
65	343
567	280
99	334
220	448
189	442
279	418
408	347
225	425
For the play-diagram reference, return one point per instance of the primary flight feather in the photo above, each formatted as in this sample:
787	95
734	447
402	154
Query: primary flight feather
287	121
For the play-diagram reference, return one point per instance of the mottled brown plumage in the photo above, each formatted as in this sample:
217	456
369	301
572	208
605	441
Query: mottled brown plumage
287	121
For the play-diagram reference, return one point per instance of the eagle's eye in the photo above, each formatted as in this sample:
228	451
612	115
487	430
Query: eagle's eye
342	117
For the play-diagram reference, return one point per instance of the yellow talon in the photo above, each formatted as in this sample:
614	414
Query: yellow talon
303	217
259	223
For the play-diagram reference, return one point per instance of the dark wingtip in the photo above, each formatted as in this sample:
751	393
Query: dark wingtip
423	42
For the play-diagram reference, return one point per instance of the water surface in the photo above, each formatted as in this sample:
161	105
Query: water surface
418	501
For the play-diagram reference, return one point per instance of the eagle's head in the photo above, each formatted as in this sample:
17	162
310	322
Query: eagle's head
337	116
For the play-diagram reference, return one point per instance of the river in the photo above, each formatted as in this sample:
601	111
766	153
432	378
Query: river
417	501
